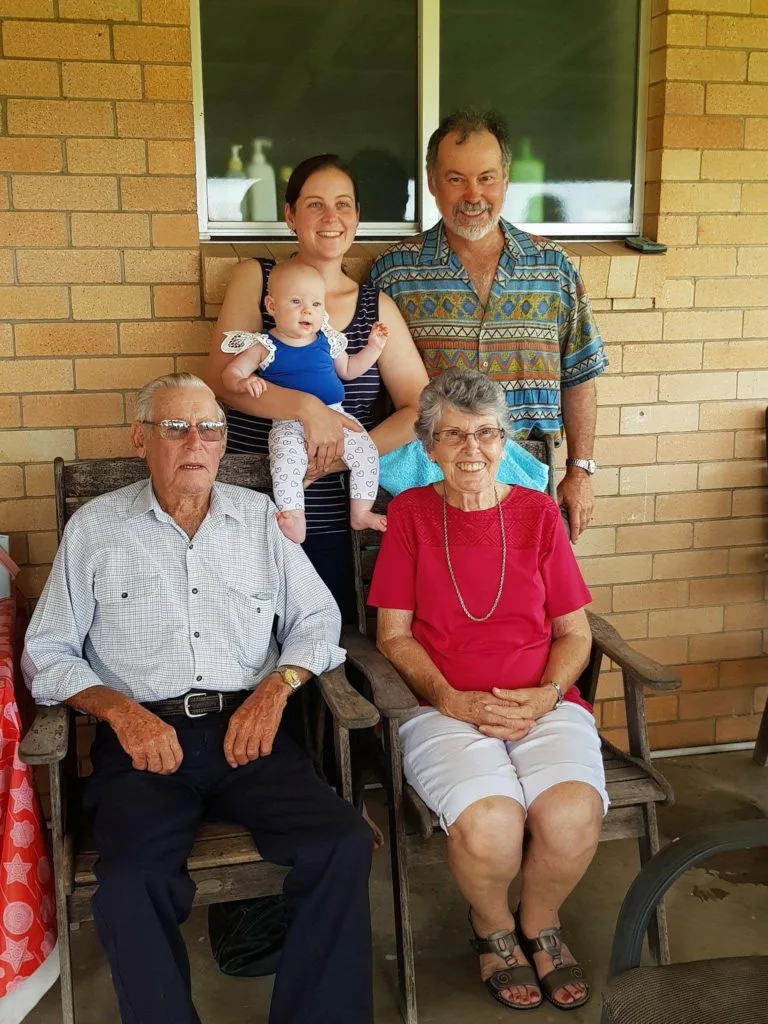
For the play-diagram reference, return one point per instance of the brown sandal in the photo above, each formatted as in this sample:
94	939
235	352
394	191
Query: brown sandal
549	941
502	944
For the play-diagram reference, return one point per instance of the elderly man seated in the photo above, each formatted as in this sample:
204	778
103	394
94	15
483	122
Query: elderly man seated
157	619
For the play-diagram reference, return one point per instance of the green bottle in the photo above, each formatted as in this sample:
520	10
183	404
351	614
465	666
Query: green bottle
526	169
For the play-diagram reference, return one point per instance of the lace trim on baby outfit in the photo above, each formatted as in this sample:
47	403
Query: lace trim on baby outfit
239	341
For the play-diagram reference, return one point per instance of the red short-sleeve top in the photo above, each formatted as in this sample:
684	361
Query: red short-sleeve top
542	582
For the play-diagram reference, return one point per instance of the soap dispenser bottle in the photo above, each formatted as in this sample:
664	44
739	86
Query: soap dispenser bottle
525	168
235	165
262	197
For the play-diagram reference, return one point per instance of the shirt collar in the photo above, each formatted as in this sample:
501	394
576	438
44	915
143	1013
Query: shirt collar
221	505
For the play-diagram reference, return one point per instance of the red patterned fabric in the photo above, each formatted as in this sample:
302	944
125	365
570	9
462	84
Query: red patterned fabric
27	906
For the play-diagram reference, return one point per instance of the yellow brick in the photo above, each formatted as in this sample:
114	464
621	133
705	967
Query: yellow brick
680	164
737	99
106	10
753	384
166	12
653	538
607	419
695	446
182	337
211	311
677	230
101	81
755	323
26	9
738	229
685	621
736	165
735	354
42	547
106	156
750	503
10	411
27	513
171	157
61	192
698	677
191	364
707	66
732	6
668	650
55	39
747	560
754	199
684	564
38	479
597	541
615	390
698	132
7	276
723	646
722	702
672	594
33	229
158	194
743	473
35	446
731	415
631	305
758	67
68	265
697	387
653	165
104	443
620	327
657	66
657	479
702	325
71	410
677	294
749	33
121	302
632	626
122	372
110	229
171	230
614	511
152	266
658	419
30	155
753	261
756	133
616	569
217	271
702	261
727	590
685	30
625	451
24	303
65	339
697	197
652	197
716	534
737	728
11	482
36	375
651	276
622	277
169	82
59	117
176	300
750	444
682	98
148	120
28	78
145	43
601	600
680	356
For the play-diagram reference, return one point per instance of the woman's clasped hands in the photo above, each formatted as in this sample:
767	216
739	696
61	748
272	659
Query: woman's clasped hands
504	714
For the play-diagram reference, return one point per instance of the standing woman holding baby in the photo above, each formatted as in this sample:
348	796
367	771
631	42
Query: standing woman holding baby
323	210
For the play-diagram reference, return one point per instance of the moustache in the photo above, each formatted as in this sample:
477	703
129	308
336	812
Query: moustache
472	208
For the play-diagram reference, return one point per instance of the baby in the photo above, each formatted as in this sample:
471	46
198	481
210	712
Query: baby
305	353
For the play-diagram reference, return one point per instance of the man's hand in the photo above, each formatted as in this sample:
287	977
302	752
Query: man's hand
253	727
518	712
151	743
574	494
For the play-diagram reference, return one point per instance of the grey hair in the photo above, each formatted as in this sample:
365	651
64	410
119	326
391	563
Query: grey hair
466	122
466	391
145	400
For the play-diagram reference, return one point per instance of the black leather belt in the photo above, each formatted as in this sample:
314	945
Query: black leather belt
197	704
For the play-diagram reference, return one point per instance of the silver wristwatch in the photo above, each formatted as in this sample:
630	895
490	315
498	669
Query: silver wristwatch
588	465
559	693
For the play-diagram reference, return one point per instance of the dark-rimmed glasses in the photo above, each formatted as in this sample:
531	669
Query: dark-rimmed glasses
178	430
453	437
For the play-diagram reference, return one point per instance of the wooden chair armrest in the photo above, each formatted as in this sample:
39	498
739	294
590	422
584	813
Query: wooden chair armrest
47	740
641	670
390	694
349	708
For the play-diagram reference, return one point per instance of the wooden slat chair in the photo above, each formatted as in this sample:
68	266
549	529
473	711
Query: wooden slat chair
634	785
224	864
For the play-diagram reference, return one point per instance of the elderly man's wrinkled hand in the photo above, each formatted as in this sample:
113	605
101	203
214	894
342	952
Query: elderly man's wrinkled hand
151	743
575	495
253	727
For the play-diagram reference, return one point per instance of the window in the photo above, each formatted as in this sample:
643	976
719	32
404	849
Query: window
279	80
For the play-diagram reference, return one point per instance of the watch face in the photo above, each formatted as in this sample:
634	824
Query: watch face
291	677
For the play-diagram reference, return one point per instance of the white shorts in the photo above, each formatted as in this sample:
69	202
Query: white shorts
451	764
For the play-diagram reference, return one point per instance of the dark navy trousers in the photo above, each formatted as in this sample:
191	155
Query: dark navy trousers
144	827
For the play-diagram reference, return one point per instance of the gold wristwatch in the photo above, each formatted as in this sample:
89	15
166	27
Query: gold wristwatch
291	678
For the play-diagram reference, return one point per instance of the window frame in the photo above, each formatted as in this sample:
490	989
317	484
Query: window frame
428	87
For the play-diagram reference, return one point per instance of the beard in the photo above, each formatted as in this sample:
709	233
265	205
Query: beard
475	230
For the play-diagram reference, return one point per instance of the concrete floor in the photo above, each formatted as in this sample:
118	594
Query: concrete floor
719	909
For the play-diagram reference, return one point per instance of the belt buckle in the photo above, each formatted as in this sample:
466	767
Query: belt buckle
200	714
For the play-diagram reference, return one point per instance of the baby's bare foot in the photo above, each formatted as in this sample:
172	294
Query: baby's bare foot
368	521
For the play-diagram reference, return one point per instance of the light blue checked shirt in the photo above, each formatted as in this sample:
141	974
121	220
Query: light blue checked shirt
132	603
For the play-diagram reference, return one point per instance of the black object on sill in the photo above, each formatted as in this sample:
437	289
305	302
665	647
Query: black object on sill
642	244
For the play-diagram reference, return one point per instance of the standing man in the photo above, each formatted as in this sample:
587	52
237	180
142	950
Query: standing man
478	293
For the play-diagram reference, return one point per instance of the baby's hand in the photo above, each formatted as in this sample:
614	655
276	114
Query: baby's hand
253	386
379	335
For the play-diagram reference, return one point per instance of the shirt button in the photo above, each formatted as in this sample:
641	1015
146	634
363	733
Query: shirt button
191	546
194	590
124	594
485	364
199	679
258	609
196	634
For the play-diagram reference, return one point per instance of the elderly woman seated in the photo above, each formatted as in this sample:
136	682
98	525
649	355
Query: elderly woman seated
481	610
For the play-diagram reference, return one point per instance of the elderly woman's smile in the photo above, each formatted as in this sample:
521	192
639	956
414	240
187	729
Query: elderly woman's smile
468	449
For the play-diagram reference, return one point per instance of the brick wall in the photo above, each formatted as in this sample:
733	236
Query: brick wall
103	285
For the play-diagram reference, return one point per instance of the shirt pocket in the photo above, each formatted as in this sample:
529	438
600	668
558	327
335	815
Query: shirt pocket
131	617
251	617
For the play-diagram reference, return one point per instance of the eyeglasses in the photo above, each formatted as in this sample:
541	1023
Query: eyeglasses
455	438
178	430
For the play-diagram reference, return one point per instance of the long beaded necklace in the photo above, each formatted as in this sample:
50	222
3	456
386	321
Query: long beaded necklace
467	612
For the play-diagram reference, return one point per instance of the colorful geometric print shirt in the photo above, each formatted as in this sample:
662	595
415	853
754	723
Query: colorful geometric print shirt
535	335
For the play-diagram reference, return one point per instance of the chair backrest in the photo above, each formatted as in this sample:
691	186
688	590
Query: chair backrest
78	482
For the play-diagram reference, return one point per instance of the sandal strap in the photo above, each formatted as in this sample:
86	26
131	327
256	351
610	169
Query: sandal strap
510	977
560	976
549	941
502	943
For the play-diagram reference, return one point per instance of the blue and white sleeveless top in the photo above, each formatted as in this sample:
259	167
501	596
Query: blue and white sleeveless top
326	501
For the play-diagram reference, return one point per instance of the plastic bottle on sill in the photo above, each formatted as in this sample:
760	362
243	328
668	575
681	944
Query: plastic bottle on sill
262	197
235	165
526	169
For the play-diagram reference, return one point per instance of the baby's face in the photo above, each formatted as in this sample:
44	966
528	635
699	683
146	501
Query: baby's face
298	304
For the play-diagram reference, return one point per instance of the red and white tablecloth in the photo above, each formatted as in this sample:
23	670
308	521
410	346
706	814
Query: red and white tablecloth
27	905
